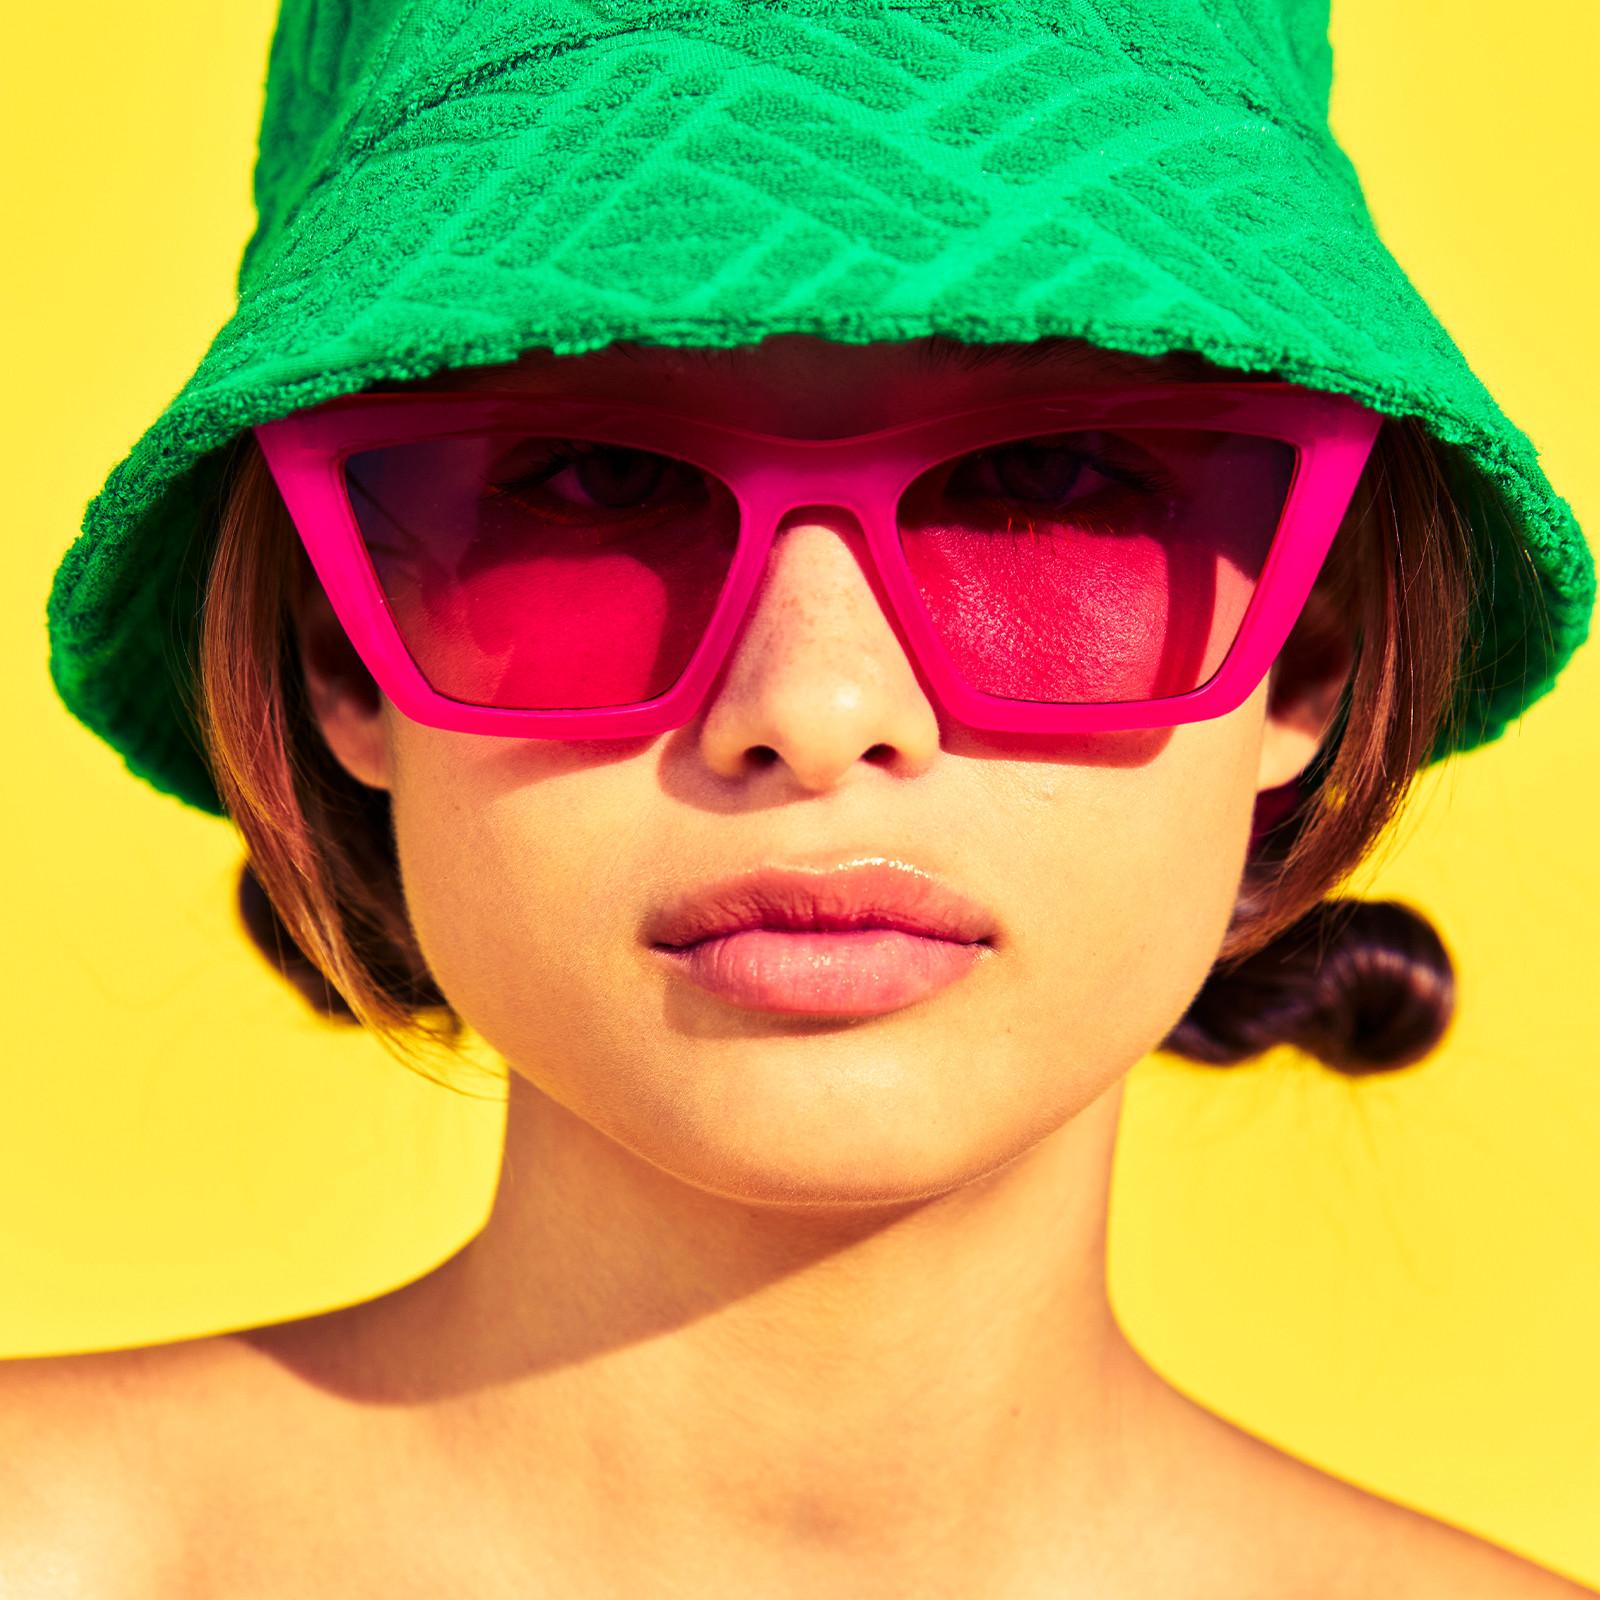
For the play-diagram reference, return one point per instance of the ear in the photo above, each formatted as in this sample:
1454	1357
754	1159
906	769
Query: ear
346	702
1306	682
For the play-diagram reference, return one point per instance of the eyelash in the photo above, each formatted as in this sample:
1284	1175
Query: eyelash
572	453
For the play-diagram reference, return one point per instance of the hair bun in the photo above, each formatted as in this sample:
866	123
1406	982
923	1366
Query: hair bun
1363	985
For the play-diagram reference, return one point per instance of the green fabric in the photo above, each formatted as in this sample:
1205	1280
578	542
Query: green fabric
445	182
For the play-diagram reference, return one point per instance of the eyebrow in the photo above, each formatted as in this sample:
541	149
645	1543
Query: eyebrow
932	354
938	352
941	351
1065	352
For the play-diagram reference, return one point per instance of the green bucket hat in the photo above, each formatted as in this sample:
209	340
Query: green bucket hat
448	183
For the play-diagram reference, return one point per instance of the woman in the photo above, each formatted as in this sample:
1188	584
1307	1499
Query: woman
821	766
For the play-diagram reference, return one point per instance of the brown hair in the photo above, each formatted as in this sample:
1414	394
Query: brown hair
1362	986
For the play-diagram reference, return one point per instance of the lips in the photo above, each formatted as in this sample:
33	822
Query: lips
879	893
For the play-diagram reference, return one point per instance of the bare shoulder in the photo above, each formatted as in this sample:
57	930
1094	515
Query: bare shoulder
1405	1554
1435	1558
1320	1537
181	1470
89	1501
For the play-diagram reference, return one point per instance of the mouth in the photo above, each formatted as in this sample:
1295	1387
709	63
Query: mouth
860	974
860	940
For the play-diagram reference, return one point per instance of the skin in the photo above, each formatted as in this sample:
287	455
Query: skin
820	1305
839	1286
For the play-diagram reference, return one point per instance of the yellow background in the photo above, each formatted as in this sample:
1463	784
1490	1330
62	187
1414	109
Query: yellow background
1398	1280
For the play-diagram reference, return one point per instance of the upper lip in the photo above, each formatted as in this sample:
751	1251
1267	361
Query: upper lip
875	893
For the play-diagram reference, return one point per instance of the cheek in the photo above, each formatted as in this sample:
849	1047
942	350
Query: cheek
517	883
459	892
1133	896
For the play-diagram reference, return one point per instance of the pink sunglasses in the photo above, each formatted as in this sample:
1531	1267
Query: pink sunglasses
560	569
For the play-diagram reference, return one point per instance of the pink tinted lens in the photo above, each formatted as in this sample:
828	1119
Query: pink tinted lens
1097	565
551	573
542	573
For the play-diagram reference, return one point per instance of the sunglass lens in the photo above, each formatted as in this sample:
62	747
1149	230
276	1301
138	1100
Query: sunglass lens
1094	566
542	573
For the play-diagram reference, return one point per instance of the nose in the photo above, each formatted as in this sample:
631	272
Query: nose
817	679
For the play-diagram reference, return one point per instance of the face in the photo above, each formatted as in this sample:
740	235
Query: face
1109	862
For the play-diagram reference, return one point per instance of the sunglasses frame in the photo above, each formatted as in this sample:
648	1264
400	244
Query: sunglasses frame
865	474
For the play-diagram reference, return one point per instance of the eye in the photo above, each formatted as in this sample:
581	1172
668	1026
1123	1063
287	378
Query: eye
593	477
1035	472
618	478
1050	473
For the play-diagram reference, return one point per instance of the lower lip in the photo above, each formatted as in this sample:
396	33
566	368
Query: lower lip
860	973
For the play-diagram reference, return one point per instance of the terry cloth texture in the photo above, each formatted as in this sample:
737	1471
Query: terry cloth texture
448	183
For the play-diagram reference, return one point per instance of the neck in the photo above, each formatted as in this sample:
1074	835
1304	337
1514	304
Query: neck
933	1387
